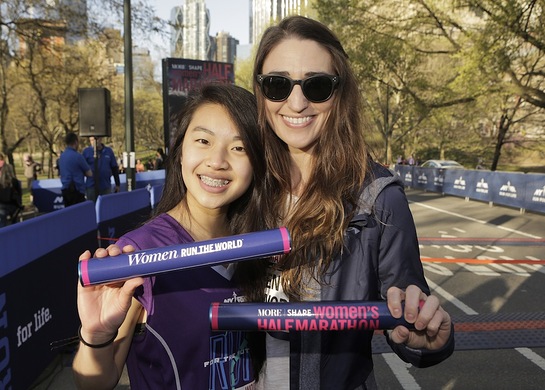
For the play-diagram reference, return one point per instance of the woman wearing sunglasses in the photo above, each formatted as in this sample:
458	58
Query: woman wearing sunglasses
319	176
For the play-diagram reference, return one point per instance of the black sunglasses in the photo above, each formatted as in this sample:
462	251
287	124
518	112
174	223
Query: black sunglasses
316	89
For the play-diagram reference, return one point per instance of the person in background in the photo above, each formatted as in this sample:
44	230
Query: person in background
31	171
140	166
10	192
57	168
150	165
353	235
160	158
480	164
120	167
105	168
159	326
73	169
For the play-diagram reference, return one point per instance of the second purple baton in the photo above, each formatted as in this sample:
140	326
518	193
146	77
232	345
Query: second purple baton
184	256
304	316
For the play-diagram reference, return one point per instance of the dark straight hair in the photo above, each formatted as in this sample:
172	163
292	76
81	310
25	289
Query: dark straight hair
241	106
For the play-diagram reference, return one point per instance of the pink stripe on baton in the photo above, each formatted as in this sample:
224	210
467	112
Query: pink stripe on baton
286	239
84	272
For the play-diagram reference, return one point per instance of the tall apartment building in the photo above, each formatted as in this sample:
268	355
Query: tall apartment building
142	67
192	25
73	13
190	35
226	47
176	32
265	12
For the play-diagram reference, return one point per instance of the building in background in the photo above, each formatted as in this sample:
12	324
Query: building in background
191	25
190	32
176	32
40	34
73	13
190	35
142	68
265	12
77	19
226	47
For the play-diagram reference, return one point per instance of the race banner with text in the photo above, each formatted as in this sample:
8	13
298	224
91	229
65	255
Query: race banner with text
303	316
180	76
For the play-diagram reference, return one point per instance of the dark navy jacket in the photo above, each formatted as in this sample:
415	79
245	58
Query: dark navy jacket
381	250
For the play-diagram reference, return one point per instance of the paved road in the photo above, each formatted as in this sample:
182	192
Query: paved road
483	263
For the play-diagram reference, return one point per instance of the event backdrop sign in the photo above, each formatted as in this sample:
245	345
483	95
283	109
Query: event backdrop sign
180	76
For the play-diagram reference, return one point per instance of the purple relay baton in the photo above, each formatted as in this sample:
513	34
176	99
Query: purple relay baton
303	316
185	256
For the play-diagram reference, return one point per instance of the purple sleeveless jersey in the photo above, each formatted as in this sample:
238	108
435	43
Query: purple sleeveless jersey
177	349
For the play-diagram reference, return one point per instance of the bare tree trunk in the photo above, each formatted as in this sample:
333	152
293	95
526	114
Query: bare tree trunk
503	127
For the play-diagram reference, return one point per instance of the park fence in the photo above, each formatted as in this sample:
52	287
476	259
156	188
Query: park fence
525	191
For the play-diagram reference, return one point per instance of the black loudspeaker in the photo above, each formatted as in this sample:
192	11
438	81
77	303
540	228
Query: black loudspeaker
94	112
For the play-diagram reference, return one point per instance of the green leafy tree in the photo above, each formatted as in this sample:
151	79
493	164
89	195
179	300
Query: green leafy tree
405	60
416	57
148	119
52	49
513	38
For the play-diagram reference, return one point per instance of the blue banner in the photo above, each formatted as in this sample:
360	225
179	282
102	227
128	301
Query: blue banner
156	192
405	172
479	184
513	189
428	179
118	213
47	195
38	269
508	189
456	182
150	178
535	192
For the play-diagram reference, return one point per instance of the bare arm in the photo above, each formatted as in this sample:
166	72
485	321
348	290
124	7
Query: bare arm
103	310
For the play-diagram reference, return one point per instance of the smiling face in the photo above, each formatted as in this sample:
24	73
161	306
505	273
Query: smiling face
215	167
296	120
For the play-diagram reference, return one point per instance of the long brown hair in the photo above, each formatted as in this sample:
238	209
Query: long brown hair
318	222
